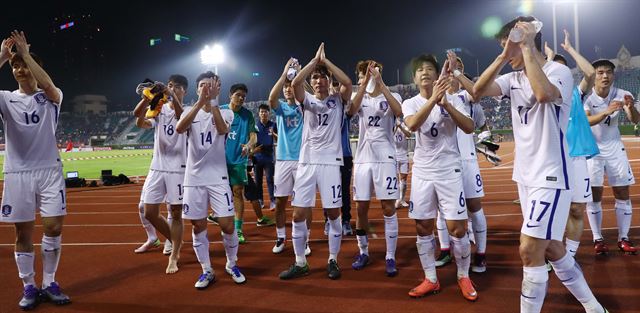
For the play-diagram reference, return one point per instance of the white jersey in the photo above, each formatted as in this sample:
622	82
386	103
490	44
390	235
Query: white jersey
375	138
30	123
606	132
169	148
466	143
402	145
206	162
541	151
436	153
321	137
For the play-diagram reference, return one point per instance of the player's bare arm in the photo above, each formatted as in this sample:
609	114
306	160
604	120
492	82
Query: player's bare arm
299	80
543	90
486	85
344	80
43	79
585	66
357	99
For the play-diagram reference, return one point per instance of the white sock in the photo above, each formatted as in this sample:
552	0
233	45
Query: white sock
298	237
534	288
443	232
623	216
201	247
426	251
571	246
479	222
24	261
391	235
230	242
51	249
148	228
335	237
363	241
403	189
594	213
462	252
281	232
570	274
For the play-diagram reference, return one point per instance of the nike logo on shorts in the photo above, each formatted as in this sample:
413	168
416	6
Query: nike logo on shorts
532	226
572	251
479	190
587	196
338	235
335	201
464	257
229	210
596	212
460	212
390	193
392	237
627	213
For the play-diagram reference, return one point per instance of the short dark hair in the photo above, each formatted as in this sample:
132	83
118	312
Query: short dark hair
424	58
236	87
560	57
506	28
180	80
16	57
322	69
361	66
603	62
207	74
263	107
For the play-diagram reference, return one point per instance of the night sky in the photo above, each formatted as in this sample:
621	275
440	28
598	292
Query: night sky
259	36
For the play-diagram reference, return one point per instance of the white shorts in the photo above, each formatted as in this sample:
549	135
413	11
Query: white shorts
581	182
471	179
24	192
545	211
160	184
403	166
198	199
616	167
427	196
284	177
379	176
328	180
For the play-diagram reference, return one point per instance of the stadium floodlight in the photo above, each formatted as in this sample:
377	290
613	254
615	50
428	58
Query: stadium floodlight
212	56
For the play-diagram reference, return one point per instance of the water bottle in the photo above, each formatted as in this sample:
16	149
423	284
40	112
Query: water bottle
371	85
517	34
291	72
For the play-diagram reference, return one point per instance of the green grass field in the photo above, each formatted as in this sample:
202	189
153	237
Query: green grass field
128	162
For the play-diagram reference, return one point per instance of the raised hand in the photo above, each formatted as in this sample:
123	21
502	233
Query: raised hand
453	61
215	87
286	66
528	32
20	41
628	101
549	52
320	53
566	45
5	49
440	88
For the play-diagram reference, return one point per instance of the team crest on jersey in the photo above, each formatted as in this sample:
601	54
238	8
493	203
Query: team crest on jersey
384	105
185	209
331	103
40	98
6	210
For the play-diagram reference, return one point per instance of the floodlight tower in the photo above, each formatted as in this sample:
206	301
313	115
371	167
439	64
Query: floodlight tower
212	56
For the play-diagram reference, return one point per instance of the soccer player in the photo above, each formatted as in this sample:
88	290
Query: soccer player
581	189
263	153
206	181
32	169
320	159
436	183
165	180
289	124
540	94
401	138
240	140
375	164
603	107
471	178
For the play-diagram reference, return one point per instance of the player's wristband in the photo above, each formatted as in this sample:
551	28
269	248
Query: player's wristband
214	102
456	73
